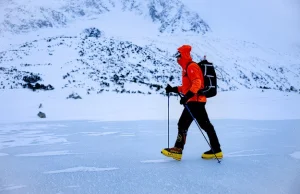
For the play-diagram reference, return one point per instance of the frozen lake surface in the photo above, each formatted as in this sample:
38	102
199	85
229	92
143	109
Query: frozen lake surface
78	157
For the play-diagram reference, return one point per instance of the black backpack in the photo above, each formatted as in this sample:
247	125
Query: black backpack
210	78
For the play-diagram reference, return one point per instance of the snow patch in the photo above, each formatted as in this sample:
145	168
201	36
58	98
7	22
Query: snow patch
127	134
99	133
50	153
155	161
296	155
73	186
244	155
26	135
11	187
80	169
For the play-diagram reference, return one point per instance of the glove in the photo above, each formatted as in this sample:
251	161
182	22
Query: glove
171	89
187	96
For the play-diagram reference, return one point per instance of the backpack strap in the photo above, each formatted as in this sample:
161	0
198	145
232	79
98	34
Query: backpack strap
186	74
187	67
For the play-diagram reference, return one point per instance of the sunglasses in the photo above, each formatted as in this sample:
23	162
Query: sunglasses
177	55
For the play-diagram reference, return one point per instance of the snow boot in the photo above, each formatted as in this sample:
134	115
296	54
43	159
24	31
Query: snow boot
175	153
210	155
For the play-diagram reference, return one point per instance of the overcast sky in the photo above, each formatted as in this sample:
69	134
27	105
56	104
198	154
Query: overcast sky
274	22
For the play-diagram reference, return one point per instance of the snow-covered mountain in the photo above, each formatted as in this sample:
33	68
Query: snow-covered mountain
98	46
171	16
92	62
99	63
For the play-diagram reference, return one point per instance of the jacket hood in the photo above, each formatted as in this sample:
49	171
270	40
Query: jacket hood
185	58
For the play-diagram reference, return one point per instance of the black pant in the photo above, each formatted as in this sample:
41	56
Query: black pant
199	112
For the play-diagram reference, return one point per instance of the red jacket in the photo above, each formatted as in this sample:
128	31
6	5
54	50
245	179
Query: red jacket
192	77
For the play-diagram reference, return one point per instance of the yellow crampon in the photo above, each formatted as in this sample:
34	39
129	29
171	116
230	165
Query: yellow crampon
219	155
172	154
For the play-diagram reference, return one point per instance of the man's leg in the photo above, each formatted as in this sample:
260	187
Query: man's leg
199	112
184	123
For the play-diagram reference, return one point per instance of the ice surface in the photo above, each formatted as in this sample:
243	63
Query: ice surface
124	157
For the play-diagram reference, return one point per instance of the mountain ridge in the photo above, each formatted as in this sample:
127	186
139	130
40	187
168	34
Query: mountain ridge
172	16
97	63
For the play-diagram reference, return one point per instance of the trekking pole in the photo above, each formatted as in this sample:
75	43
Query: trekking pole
186	106
168	117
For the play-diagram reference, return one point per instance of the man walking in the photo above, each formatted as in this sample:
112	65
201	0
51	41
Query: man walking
192	82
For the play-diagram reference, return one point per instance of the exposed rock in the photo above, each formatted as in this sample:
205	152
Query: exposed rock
41	115
74	96
31	78
92	32
38	86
